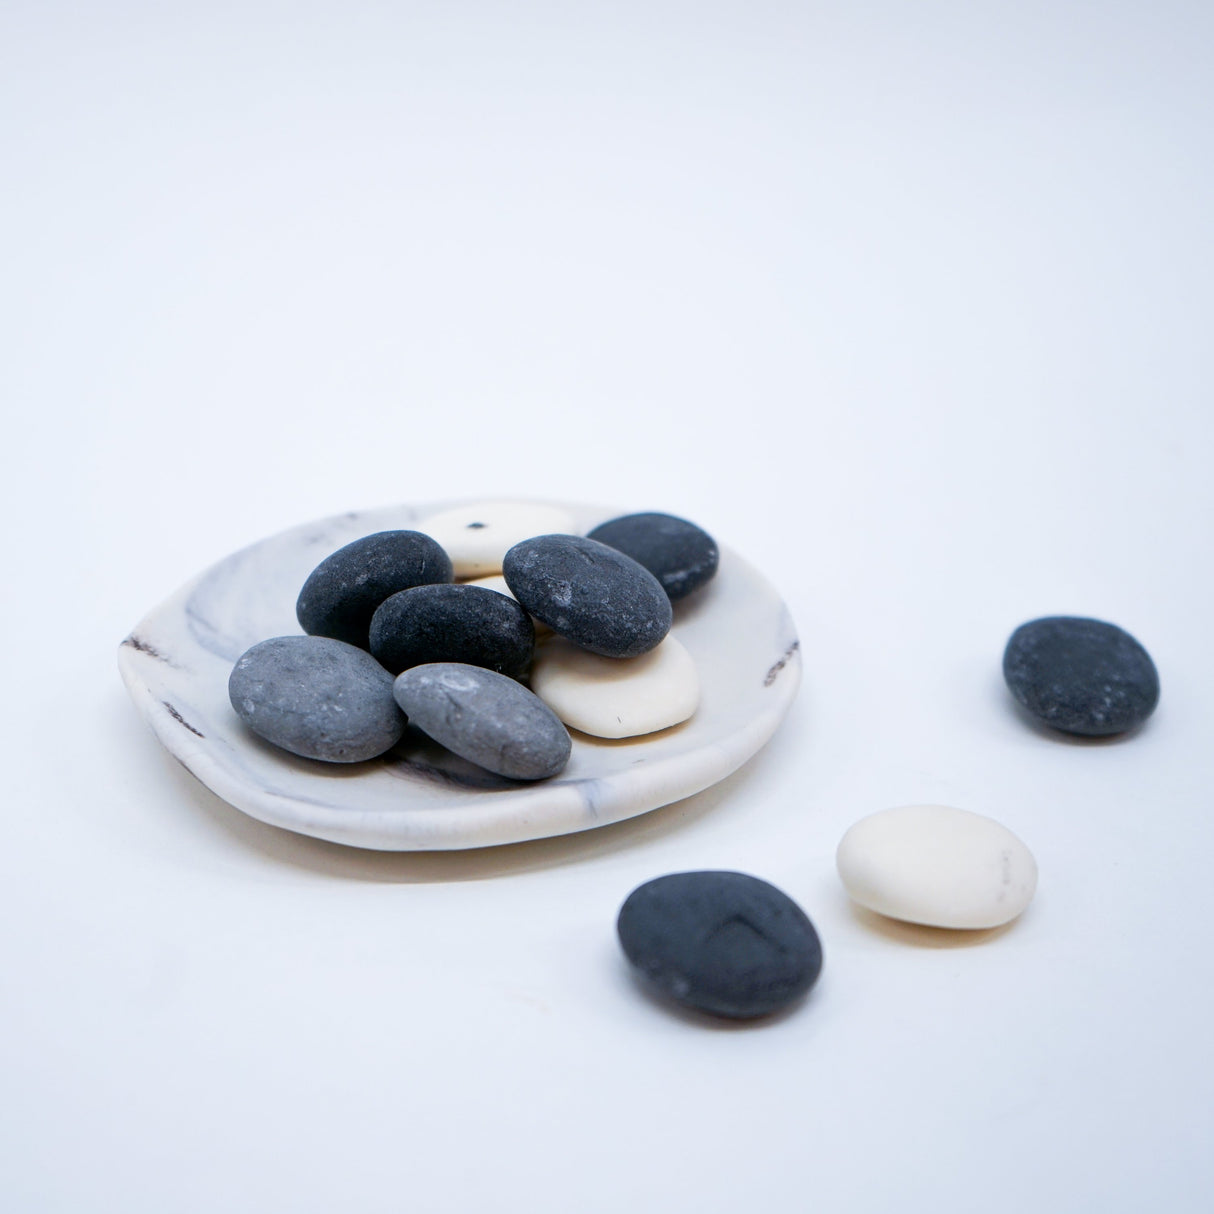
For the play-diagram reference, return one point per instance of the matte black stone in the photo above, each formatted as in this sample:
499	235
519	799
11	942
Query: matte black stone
486	718
1081	676
453	624
679	554
720	942
343	591
316	697
599	598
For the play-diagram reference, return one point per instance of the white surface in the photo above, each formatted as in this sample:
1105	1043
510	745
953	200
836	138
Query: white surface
909	303
178	659
937	865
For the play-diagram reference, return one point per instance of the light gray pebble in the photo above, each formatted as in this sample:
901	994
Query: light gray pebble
486	718
316	697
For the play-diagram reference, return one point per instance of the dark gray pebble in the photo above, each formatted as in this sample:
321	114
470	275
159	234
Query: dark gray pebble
453	624
343	591
599	598
720	942
679	554
1081	676
316	697
486	718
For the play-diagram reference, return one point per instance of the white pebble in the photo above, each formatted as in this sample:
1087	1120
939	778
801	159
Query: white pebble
617	697
476	537
937	866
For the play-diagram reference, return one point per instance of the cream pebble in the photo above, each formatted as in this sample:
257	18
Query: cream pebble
498	583
476	537
938	866
617	697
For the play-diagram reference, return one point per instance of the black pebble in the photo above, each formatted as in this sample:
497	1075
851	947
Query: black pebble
343	591
1081	676
467	624
679	554
595	596
720	942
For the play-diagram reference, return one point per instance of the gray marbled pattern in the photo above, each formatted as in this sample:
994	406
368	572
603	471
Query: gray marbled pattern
177	661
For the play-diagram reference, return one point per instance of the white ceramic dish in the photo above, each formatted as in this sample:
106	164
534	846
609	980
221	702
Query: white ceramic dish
418	797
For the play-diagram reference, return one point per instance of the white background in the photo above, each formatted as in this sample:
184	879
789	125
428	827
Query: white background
910	303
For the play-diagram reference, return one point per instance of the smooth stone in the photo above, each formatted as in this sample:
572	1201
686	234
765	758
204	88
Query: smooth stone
478	536
316	697
343	592
613	697
938	866
679	554
1081	676
599	598
486	718
720	942
496	582
452	624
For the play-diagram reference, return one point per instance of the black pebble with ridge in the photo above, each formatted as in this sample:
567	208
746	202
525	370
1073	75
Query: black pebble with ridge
468	624
1081	676
343	591
720	942
679	554
597	597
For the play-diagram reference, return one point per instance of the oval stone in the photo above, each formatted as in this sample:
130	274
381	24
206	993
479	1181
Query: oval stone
1081	676
614	698
316	697
452	624
486	718
679	554
938	866
721	942
478	536
497	583
343	591
599	598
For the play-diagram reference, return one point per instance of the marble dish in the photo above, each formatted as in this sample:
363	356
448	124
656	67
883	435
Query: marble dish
419	797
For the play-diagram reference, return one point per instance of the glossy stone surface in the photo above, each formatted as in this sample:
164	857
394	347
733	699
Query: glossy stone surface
316	697
478	535
343	592
454	623
679	554
938	866
599	598
1081	676
486	718
617	697
724	943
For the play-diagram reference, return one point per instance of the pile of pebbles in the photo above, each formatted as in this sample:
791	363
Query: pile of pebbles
393	637
439	626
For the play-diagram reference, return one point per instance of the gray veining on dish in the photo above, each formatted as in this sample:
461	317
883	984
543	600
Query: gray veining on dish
177	660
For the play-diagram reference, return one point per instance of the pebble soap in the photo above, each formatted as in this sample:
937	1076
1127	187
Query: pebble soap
343	592
614	698
486	718
679	554
599	598
937	866
316	697
1081	676
724	943
478	536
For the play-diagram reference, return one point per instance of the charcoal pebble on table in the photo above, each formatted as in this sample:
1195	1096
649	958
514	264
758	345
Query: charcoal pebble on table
1081	676
316	697
477	536
599	598
486	718
342	593
460	623
679	554
721	942
938	866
